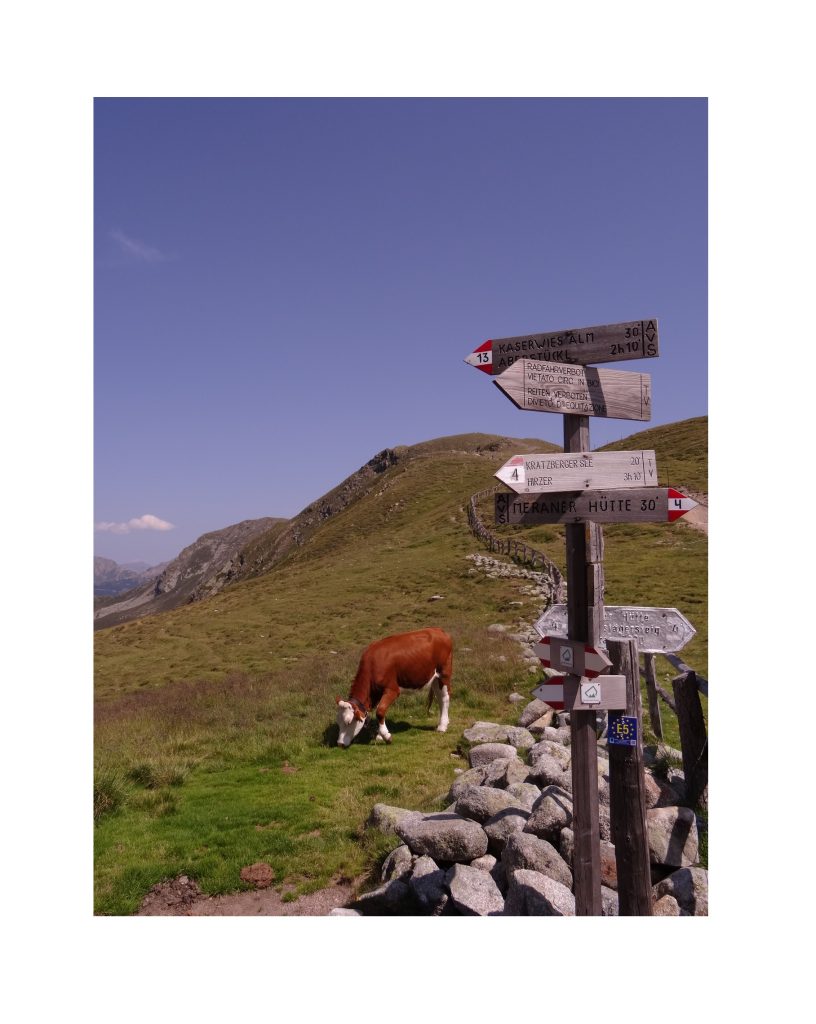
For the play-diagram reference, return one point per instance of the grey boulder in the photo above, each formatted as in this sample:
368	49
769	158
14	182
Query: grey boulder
444	837
672	833
524	850
531	894
484	753
474	891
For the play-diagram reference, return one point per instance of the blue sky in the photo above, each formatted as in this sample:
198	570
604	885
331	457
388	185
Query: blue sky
285	287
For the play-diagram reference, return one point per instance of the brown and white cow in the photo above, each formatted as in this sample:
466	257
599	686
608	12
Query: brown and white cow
422	660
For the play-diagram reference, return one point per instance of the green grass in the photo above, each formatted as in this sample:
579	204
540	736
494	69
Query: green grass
203	713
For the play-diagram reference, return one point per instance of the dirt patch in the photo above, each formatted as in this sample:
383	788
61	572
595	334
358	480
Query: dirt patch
182	897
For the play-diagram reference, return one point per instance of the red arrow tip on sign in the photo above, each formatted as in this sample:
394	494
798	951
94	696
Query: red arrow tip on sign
679	504
482	357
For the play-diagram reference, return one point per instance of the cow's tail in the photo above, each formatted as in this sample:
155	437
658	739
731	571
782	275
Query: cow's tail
435	689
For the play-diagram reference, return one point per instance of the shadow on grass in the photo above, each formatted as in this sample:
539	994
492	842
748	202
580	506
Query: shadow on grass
368	734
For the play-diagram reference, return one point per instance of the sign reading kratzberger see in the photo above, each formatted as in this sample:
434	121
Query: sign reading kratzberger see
609	343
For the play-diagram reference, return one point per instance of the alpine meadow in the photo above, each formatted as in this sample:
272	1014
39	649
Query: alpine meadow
214	721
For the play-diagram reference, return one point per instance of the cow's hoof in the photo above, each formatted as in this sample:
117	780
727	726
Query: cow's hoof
388	740
440	729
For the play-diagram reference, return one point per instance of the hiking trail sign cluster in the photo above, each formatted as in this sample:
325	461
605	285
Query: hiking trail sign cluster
551	373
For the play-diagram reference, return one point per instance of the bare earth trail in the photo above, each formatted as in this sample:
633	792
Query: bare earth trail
183	898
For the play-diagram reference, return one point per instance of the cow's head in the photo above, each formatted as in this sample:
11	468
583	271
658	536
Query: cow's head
350	720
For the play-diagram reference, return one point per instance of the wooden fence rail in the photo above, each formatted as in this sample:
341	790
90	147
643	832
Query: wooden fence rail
686	705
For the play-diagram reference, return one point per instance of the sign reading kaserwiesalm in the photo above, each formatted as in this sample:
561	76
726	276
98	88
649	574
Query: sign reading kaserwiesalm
635	339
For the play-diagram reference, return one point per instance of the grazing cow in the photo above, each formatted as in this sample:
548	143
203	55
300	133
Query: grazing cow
410	661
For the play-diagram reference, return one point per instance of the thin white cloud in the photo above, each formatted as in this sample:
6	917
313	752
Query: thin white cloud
137	250
145	522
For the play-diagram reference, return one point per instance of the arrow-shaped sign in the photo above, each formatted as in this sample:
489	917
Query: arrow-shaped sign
573	656
580	390
552	693
646	505
578	471
635	339
657	630
607	693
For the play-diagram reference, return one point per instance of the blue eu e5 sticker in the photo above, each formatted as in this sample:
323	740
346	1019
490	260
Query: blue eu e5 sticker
622	730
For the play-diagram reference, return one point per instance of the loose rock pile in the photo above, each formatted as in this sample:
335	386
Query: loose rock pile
504	843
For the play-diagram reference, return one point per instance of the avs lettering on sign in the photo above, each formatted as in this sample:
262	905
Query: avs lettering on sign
578	471
644	505
657	630
571	656
577	390
609	343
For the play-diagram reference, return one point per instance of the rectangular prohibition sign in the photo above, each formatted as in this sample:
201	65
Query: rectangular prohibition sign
578	390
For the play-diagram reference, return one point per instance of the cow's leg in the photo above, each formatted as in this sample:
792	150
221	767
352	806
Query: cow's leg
387	699
444	684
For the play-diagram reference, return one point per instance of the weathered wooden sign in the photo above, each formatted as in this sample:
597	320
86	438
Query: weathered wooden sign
551	692
635	339
644	505
657	630
578	471
577	390
571	656
610	694
572	693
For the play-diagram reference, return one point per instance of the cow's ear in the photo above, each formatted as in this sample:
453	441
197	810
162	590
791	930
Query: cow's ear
337	700
359	714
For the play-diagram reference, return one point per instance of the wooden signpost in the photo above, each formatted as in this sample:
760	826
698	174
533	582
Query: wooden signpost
635	339
550	373
540	474
577	390
657	630
644	505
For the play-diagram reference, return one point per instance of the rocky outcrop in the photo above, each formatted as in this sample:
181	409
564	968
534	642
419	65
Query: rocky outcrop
203	568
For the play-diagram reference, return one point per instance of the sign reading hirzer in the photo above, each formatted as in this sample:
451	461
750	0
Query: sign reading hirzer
635	339
578	471
577	390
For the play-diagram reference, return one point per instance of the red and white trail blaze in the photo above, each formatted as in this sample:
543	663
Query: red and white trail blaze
419	660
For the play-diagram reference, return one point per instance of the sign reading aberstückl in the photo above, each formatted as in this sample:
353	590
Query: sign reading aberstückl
635	339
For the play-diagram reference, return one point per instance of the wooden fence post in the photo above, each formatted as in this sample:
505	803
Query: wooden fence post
693	737
651	692
585	617
627	795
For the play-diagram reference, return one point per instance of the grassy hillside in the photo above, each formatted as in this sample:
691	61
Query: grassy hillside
681	450
214	721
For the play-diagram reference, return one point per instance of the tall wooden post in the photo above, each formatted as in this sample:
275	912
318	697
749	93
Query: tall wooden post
627	795
585	620
693	737
651	691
